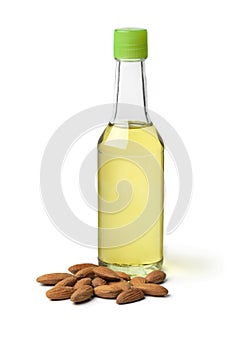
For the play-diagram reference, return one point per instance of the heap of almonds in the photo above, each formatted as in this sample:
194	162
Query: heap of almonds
87	280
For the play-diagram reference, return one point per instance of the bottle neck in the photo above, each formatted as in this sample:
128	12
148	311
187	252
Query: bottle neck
130	93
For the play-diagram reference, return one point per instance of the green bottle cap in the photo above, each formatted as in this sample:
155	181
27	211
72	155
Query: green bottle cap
130	43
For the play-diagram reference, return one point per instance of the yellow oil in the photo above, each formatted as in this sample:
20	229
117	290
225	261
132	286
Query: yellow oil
130	198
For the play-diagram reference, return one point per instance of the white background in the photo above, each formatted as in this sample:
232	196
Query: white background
56	60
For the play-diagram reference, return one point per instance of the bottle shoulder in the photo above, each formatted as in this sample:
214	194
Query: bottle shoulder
129	134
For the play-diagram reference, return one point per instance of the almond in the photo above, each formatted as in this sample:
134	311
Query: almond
129	296
137	280
107	291
155	276
82	293
123	275
68	281
106	273
75	268
152	289
86	272
60	293
123	284
52	278
98	281
83	282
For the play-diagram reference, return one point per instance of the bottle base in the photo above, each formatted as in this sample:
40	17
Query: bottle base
134	270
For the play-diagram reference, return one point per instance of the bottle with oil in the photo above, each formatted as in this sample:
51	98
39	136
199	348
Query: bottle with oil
130	168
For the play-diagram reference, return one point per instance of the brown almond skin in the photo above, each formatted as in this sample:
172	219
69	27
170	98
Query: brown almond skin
155	276
107	291
83	282
152	289
137	280
129	296
123	275
68	281
106	273
86	272
123	284
98	281
77	267
82	293
60	293
51	279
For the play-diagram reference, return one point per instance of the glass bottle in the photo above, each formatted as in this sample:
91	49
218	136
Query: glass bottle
130	168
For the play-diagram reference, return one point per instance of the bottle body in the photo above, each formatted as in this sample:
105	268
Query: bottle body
130	205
